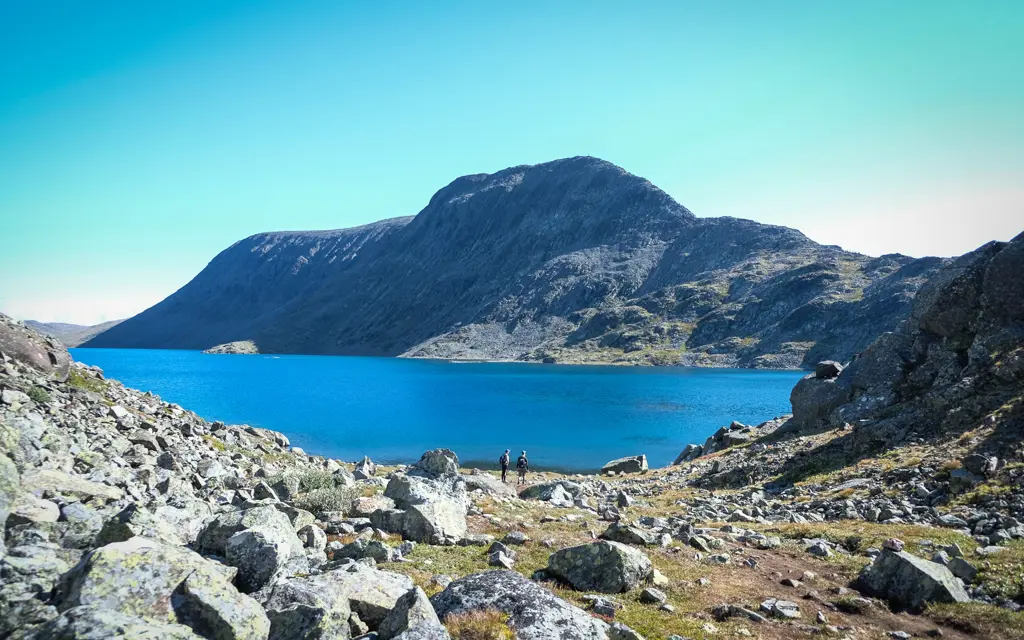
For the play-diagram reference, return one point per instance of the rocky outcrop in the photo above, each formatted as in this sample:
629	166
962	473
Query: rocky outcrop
605	567
70	335
43	354
574	260
957	358
240	347
431	501
534	612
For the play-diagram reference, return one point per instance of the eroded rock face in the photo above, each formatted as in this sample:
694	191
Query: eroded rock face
605	567
907	580
534	612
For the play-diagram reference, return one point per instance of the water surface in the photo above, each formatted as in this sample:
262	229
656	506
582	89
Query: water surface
568	417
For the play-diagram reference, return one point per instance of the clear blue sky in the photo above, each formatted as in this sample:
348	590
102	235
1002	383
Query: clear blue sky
138	139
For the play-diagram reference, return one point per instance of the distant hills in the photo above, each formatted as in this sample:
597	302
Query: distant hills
575	260
71	335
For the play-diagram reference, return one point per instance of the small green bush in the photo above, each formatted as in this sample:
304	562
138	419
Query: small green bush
316	479
486	624
318	501
38	395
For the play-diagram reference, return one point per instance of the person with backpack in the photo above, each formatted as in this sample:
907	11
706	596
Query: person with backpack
503	461
522	465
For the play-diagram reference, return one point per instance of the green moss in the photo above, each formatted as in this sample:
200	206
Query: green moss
86	382
39	395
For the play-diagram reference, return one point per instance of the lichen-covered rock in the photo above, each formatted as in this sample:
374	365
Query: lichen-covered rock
605	567
302	608
546	490
143	578
629	464
94	623
259	555
434	505
135	520
214	537
438	462
534	612
907	580
39	481
371	593
413	610
628	534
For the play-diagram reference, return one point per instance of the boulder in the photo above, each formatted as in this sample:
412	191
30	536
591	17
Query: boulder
371	593
628	534
905	579
302	608
689	452
980	465
364	548
814	398
438	463
547	490
534	612
312	537
827	369
604	567
29	509
365	469
260	557
40	481
412	610
488	484
95	623
163	584
629	464
214	537
434	507
133	521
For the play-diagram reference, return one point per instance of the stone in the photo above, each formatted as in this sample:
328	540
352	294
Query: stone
412	610
962	569
488	484
905	579
13	397
371	593
689	452
629	464
781	608
364	548
651	595
438	463
827	369
214	537
135	520
628	534
28	509
980	465
259	556
534	612
138	577
604	567
365	469
301	608
619	631
312	537
95	623
263	491
40	481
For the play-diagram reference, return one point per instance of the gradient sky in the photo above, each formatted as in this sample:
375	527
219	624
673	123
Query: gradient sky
139	139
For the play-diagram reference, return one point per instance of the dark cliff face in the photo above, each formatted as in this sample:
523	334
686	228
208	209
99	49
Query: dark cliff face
574	260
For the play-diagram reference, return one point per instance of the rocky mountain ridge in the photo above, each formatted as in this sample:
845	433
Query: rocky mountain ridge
71	335
574	260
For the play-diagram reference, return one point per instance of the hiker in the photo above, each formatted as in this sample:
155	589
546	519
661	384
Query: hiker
503	461
522	465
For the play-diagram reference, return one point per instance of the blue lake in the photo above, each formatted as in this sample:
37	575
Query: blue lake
566	417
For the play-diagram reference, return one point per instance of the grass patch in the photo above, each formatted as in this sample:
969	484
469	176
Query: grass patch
857	536
1002	574
479	625
216	443
318	501
975	618
85	382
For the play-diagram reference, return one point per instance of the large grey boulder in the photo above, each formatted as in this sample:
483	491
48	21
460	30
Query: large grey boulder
434	506
135	520
629	464
547	490
213	539
488	484
95	623
814	398
605	566
40	481
260	557
302	608
413	610
534	612
371	593
438	462
164	584
628	534
905	579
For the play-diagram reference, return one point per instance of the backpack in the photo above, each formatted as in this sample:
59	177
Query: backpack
503	460
522	463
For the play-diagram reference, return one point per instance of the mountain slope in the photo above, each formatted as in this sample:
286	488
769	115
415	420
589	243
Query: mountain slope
573	260
71	335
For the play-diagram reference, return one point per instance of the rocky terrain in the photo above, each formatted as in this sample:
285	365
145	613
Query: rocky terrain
890	505
71	335
242	347
574	260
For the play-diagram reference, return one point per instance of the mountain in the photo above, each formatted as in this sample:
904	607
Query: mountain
71	335
574	260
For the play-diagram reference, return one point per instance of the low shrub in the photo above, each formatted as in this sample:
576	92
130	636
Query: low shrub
318	501
314	480
39	395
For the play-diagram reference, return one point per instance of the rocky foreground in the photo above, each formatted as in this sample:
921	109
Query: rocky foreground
890	505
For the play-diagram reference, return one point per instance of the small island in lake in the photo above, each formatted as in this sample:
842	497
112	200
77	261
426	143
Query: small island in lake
243	347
